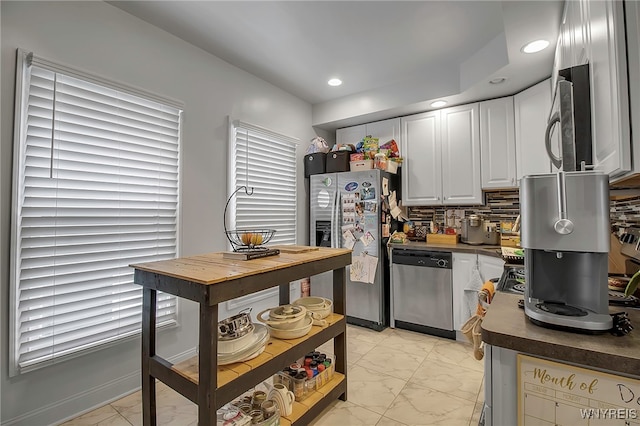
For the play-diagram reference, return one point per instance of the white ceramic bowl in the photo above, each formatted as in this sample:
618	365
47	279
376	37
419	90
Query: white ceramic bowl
277	320
292	333
321	306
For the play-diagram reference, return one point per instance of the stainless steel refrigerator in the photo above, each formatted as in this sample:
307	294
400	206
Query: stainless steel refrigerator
352	210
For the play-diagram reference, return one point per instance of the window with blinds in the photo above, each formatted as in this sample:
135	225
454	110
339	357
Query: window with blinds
96	178
265	161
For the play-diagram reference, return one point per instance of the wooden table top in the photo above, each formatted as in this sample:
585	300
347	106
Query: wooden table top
212	268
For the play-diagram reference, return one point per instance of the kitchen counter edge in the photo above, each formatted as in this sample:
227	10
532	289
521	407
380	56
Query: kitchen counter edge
486	250
506	326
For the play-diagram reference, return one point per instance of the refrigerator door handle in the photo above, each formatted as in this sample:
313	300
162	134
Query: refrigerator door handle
333	212
336	226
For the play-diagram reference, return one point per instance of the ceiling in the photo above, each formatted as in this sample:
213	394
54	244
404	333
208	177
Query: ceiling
394	57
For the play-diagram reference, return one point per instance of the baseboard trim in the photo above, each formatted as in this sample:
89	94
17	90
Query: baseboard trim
89	400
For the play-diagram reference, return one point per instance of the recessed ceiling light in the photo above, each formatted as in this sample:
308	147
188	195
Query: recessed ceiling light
334	82
438	104
498	80
535	46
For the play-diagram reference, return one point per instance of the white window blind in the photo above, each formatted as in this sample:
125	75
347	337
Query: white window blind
95	189
265	161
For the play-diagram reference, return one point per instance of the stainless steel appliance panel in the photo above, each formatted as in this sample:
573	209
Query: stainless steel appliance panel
586	205
422	288
367	302
363	299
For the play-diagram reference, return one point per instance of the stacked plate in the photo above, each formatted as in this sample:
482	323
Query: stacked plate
251	345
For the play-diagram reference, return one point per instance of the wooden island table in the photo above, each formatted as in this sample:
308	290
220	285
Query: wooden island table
210	279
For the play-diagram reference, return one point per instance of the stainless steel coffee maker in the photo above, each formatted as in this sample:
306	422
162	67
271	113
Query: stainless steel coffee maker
565	234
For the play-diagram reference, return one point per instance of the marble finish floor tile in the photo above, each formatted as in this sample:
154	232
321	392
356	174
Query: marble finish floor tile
371	389
105	415
477	411
366	334
385	421
393	362
456	353
410	342
449	378
173	409
346	413
356	349
417	405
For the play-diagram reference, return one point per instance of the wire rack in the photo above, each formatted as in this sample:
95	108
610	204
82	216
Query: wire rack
246	240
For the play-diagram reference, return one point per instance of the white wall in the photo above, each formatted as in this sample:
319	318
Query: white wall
101	39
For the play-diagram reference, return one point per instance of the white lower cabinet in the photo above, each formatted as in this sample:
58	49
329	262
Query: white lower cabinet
490	267
463	264
465	296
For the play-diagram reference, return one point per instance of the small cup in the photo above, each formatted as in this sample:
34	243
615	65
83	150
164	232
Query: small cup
256	416
258	398
268	408
244	407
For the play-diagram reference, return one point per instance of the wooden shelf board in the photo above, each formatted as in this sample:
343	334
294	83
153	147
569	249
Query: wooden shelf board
300	408
284	422
275	347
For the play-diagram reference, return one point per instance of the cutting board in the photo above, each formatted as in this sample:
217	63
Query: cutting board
294	249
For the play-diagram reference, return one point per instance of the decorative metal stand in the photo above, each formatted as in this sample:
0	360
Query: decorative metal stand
247	243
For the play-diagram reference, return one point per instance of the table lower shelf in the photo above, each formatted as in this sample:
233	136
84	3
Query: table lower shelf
316	401
234	379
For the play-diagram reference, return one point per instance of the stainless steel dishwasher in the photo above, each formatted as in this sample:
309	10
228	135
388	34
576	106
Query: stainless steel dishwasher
422	291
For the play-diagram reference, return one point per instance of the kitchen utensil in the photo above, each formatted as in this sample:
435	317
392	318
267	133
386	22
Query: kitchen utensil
292	333
283	397
286	317
230	346
255	347
318	305
235	326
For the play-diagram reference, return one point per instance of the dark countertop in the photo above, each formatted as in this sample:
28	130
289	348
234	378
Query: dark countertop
460	247
506	326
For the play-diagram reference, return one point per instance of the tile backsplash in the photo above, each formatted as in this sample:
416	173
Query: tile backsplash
625	212
499	206
505	206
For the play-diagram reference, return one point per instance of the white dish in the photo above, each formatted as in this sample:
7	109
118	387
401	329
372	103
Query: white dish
318	305
235	345
293	333
259	339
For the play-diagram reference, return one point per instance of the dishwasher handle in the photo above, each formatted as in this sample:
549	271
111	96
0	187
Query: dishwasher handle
422	258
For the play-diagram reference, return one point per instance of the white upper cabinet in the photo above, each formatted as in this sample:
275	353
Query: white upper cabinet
351	135
441	151
421	168
384	130
632	15
461	178
606	54
497	143
532	107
